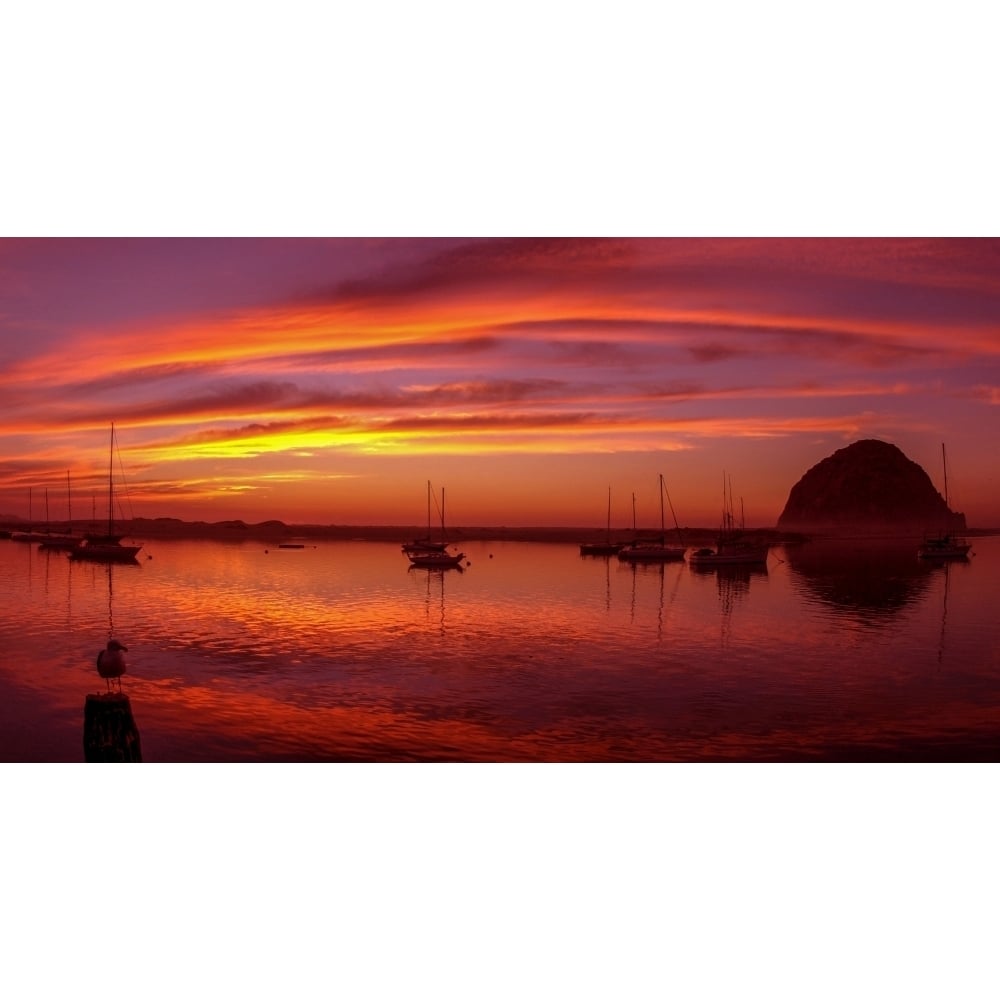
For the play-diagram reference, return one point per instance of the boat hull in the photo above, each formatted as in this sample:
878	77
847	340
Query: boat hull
721	557
60	543
944	552
436	560
419	547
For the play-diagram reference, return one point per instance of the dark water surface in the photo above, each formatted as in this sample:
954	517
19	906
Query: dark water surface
839	651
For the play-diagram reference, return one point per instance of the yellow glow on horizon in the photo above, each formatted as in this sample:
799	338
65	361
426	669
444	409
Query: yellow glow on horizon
538	354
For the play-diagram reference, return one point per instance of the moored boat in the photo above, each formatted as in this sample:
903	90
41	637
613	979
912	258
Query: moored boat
426	544
60	543
944	544
436	560
30	534
731	551
107	547
732	546
652	551
426	554
607	547
655	550
64	542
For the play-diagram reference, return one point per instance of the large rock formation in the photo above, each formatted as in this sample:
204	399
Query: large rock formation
869	487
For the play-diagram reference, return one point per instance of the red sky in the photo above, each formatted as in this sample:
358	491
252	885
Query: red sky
327	381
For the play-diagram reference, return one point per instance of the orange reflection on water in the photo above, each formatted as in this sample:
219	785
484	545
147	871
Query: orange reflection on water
339	651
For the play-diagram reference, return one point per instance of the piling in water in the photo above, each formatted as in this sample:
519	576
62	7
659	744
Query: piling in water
109	731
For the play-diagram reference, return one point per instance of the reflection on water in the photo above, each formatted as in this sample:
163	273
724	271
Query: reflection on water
871	578
435	604
343	652
733	586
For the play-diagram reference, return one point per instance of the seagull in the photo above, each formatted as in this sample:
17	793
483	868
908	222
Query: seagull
111	663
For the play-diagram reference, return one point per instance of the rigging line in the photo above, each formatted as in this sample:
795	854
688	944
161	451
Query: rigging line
128	496
672	514
440	512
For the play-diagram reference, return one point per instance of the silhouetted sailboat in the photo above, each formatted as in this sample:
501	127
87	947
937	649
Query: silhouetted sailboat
435	557
427	544
656	550
65	542
605	548
731	546
30	535
943	544
108	547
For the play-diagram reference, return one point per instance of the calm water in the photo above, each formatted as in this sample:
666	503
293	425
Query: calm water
339	651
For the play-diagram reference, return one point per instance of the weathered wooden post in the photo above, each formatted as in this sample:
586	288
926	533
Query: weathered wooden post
109	730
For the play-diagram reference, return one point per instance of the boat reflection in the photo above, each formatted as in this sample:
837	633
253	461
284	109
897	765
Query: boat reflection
731	578
435	591
659	571
335	654
732	582
873	579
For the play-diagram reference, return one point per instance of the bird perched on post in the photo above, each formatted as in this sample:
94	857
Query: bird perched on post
111	663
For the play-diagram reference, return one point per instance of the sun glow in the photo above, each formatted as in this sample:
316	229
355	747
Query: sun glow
515	350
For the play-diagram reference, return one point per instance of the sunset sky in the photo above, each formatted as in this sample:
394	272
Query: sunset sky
326	381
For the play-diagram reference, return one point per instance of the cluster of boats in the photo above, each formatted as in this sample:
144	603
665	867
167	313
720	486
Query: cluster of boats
732	546
88	547
104	547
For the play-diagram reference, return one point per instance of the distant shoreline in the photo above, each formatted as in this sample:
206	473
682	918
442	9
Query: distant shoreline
274	531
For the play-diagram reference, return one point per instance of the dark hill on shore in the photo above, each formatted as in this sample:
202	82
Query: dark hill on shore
869	487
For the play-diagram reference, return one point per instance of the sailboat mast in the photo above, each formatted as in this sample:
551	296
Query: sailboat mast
662	525
609	513
69	502
944	462
428	510
111	483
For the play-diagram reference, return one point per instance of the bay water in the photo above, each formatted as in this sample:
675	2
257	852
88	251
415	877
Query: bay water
847	650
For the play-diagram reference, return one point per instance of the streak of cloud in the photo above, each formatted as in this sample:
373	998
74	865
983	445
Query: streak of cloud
209	352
